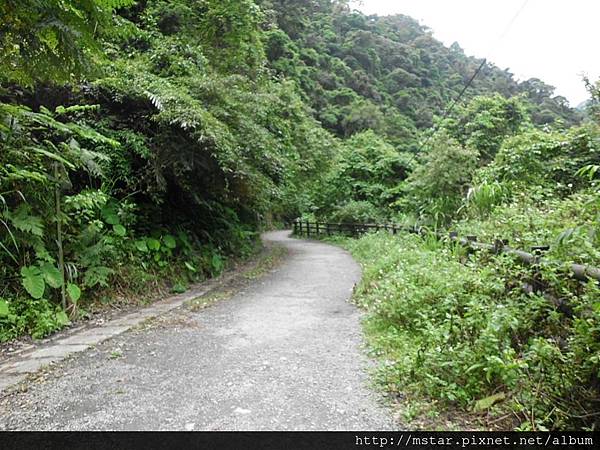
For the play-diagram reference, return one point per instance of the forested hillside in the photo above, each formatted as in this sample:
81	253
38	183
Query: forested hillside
145	144
387	74
150	138
515	346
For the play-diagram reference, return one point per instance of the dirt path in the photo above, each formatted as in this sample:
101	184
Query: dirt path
283	354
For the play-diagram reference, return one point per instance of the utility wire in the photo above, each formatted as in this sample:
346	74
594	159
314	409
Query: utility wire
448	111
457	99
511	23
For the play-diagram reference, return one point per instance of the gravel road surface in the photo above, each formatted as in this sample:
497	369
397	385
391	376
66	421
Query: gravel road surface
284	353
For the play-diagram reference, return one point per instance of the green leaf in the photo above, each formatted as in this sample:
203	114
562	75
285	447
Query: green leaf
189	266
178	288
62	319
109	214
97	275
33	281
473	367
217	263
153	244
4	308
52	275
487	402
170	241
119	230
24	221
74	292
184	240
141	246
49	37
112	219
54	156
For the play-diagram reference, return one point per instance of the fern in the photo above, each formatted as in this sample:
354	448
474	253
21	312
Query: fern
97	276
22	220
590	171
57	48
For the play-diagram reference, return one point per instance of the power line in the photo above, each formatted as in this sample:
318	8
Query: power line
457	99
511	23
448	111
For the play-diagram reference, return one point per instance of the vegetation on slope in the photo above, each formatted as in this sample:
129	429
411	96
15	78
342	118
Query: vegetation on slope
387	74
161	158
515	345
462	332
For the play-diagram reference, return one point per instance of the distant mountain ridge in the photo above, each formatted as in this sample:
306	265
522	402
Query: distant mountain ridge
386	73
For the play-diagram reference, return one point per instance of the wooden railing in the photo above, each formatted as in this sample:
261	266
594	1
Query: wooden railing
316	229
307	228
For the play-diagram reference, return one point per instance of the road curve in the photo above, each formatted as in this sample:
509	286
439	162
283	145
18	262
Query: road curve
284	354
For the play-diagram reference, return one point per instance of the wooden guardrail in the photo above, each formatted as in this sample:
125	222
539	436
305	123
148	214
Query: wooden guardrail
308	229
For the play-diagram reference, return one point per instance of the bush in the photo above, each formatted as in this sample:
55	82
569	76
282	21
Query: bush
437	186
356	212
569	226
38	318
463	332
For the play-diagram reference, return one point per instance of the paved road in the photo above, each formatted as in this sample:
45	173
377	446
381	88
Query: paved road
285	354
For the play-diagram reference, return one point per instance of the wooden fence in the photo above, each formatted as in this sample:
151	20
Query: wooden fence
306	228
316	229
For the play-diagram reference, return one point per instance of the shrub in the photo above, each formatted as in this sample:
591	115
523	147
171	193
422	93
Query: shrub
356	212
463	332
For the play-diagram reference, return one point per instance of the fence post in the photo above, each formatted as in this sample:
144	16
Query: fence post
327	229
317	224
538	251
498	245
307	228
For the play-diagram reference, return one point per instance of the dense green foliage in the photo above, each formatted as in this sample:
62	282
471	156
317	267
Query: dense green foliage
481	332
463	332
366	172
51	40
160	162
387	74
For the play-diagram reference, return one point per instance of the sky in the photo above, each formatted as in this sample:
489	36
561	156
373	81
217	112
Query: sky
553	40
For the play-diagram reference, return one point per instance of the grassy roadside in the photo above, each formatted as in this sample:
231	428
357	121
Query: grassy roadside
265	261
135	288
461	345
222	288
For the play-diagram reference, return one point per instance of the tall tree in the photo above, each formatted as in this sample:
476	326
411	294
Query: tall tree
51	40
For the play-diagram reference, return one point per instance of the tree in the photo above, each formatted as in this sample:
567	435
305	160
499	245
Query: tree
367	169
486	121
230	31
51	40
435	189
594	103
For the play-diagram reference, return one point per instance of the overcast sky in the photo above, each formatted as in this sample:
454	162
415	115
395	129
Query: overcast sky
554	40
